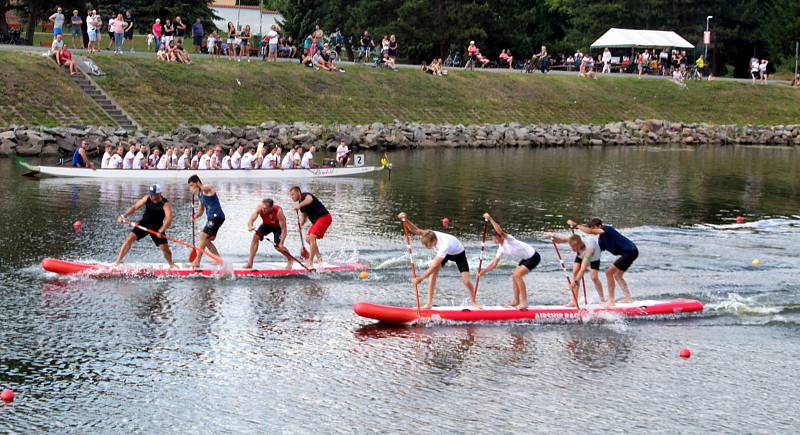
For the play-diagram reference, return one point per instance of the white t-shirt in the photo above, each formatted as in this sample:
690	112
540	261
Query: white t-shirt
447	245
162	162
182	161
152	160
226	162
247	161
106	159
214	161
307	159
205	160
173	160
273	37
514	248
591	247
128	162
115	162
236	160
137	161
266	163
195	161
341	151
287	160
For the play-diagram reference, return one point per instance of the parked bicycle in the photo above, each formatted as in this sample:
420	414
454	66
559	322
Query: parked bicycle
12	37
453	60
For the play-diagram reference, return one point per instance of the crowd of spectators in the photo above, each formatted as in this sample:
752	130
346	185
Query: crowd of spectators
140	157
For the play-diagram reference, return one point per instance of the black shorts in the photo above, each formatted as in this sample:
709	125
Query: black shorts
459	259
593	265
212	226
532	262
626	259
265	230
140	233
129	35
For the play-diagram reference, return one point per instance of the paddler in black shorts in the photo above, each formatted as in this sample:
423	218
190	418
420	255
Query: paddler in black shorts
612	241
157	217
208	203
273	221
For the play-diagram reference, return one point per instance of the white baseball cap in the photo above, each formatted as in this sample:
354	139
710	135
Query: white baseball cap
155	189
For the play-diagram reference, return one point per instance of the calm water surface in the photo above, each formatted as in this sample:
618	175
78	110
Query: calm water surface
288	355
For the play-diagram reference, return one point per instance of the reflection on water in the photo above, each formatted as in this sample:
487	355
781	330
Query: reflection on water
289	355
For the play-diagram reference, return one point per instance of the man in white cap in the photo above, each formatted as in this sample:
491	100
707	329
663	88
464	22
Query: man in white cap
157	217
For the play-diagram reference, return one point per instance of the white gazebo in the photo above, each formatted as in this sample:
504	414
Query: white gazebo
631	38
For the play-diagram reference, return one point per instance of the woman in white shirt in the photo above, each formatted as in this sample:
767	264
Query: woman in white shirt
529	259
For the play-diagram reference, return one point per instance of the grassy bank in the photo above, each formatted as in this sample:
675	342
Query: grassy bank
36	93
162	95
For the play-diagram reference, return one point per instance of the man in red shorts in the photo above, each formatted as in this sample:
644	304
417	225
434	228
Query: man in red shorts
311	209
273	221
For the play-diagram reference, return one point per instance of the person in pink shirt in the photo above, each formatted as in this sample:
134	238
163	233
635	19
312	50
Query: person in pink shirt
119	32
156	31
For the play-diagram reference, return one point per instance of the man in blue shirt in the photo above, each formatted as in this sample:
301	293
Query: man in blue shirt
612	241
197	35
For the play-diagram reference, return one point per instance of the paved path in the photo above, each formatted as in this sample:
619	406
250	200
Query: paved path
32	49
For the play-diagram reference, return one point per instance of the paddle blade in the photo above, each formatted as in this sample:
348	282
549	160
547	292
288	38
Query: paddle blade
192	255
304	253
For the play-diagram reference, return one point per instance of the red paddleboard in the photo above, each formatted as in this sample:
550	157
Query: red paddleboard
541	313
63	267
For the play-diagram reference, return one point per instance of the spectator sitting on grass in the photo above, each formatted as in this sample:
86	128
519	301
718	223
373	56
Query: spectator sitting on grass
57	45
677	77
162	53
320	63
424	67
181	55
796	80
64	58
482	59
587	67
387	61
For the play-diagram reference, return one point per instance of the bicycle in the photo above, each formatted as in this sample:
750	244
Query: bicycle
694	74
453	60
11	37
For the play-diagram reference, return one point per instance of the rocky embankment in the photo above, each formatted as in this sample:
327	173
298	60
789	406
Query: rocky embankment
54	141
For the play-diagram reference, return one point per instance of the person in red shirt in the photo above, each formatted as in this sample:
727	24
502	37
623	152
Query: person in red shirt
64	58
273	221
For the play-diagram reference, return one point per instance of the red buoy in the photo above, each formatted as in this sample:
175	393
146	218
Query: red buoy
7	396
739	220
77	225
685	353
445	223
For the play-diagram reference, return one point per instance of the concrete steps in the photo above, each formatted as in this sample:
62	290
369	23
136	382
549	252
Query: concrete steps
93	91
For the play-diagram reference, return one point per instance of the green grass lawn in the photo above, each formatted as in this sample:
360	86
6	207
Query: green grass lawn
162	96
37	93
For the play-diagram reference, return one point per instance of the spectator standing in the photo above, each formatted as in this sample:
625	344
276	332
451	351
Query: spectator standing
156	30
119	33
606	61
366	45
244	48
544	60
77	32
111	18
754	65
384	45
233	42
472	56
762	70
338	42
91	31
169	32
58	22
129	22
393	47
211	44
197	35
272	40
180	30
319	34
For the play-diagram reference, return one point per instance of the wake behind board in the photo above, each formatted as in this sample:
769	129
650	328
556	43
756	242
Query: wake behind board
541	313
104	270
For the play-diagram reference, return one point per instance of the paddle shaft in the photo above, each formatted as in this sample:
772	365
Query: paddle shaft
303	251
413	266
566	274
172	239
583	278
193	252
289	254
480	260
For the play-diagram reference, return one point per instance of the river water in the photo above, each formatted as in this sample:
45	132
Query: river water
288	355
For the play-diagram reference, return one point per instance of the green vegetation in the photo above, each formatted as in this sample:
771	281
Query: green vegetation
163	95
37	93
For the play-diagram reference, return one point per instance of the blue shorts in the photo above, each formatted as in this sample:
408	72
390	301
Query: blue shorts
58	31
92	35
197	40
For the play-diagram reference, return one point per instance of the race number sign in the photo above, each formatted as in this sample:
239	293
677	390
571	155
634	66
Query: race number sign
359	159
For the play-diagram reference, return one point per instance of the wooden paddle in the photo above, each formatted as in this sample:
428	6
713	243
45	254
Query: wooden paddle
480	261
193	252
566	274
216	259
583	278
411	260
303	252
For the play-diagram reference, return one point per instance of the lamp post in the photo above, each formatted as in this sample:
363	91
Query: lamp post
707	37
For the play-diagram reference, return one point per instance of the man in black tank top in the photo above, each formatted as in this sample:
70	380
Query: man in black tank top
311	209
157	217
